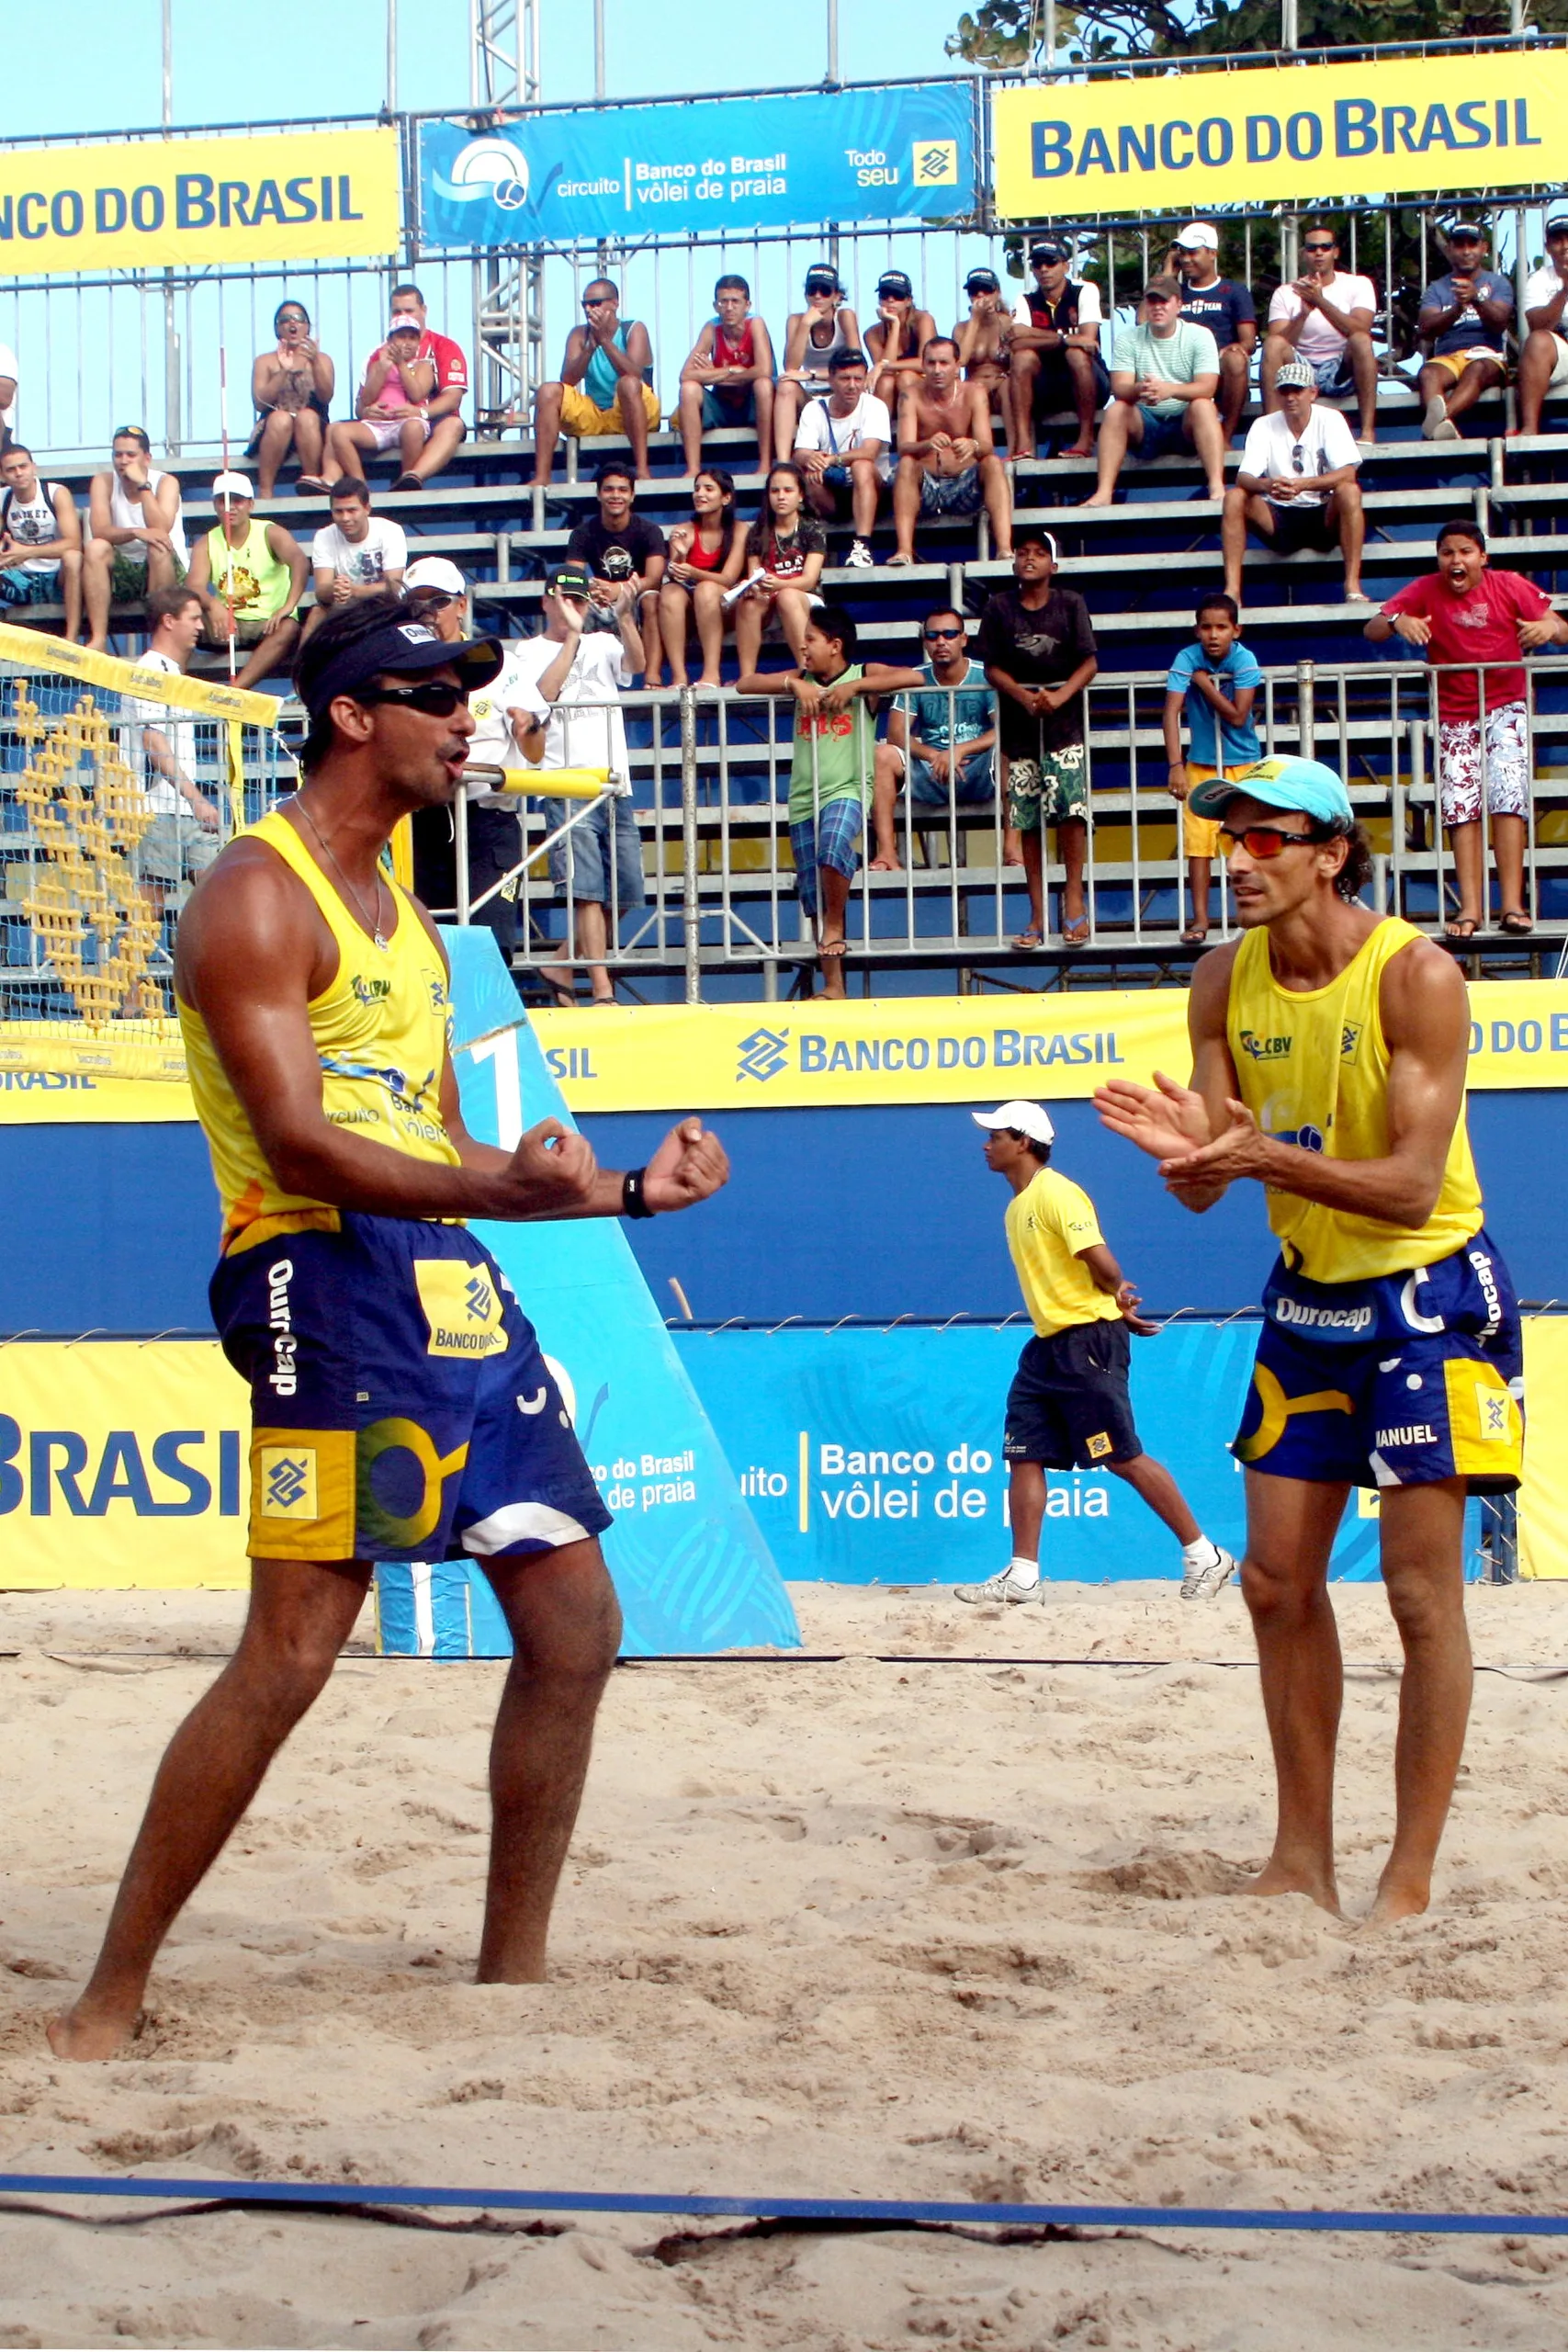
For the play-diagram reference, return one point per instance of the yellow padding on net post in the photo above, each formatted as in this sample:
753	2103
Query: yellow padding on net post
558	783
31	650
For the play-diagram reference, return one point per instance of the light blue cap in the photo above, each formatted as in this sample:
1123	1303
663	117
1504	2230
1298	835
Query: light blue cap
1285	783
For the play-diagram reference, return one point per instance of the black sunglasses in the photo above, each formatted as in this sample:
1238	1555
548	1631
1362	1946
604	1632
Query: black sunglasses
432	700
944	632
1320	245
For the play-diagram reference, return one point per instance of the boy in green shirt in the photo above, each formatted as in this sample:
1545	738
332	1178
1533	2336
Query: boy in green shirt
1164	376
831	768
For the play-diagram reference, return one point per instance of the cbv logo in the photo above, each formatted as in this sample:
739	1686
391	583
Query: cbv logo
762	1054
1265	1050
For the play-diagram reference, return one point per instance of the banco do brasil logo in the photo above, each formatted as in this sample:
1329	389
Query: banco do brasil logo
762	1054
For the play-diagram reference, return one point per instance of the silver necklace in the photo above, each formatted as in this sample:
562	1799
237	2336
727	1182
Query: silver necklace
374	919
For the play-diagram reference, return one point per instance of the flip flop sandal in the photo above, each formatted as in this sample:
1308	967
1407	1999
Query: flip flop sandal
1027	941
1516	922
1461	927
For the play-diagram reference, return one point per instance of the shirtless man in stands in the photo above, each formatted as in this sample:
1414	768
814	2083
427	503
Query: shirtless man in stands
947	459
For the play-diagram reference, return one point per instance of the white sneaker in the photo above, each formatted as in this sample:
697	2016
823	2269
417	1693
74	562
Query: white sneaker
1001	1589
860	557
1205	1584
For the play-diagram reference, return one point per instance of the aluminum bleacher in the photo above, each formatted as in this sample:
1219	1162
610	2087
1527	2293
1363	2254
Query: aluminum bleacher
723	916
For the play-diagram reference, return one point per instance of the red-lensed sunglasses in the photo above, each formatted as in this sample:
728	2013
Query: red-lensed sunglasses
1263	841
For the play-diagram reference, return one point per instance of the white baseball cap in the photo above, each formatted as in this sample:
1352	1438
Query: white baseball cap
435	571
1031	1119
234	486
1198	236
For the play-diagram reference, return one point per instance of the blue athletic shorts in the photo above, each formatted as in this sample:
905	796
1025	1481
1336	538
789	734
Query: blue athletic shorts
1395	1381
402	1408
1069	1405
1162	434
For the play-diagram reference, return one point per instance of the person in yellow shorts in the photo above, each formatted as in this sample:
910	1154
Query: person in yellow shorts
1211	685
605	384
1329	1048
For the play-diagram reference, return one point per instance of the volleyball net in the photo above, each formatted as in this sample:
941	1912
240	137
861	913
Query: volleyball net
119	783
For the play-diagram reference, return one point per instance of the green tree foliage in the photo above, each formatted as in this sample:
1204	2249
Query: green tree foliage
1009	33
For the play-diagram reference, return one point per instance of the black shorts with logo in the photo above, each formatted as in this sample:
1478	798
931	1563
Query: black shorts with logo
1069	1406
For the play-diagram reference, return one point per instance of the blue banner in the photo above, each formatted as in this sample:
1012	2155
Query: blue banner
874	1457
691	1568
722	163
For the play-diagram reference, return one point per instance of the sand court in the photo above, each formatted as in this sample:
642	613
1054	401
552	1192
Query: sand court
869	1927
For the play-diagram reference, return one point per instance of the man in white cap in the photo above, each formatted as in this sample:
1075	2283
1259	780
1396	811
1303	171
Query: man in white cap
1069	1406
1226	308
1296	486
508	736
250	576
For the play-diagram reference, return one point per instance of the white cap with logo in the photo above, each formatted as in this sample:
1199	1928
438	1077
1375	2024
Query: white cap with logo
436	572
1198	236
1031	1119
232	485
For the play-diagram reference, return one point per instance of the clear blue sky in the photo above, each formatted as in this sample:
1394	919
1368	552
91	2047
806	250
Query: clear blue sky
96	66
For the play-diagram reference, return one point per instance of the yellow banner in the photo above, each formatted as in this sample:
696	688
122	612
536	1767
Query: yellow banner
36	653
1203	140
748	1057
157	203
122	1464
1544	1498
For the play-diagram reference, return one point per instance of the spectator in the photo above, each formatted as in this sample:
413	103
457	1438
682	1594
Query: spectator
942	740
1543	361
138	541
901	333
1296	486
1213	683
832	770
706	557
841	447
181	838
728	376
41	540
625	552
1163	378
507	738
250	577
606	384
947	461
785	549
1055	359
1226	308
1464	317
357	553
414	385
1326	317
1038	648
1464	613
598	865
982	340
813	339
8	376
291	389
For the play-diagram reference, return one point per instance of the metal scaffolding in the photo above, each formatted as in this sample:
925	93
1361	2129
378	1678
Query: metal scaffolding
509	320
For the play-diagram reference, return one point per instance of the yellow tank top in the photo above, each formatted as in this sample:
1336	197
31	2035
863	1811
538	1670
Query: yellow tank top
1313	1069
251	577
381	1028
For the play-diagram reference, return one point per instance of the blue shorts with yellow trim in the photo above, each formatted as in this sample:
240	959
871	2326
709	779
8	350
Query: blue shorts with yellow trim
1392	1382
402	1407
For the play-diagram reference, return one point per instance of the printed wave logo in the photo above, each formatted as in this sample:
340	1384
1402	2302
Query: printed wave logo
762	1054
486	168
479	1299
288	1481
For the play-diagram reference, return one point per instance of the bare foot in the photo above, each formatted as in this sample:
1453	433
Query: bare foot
81	2032
888	864
1394	1902
1097	500
1277	1877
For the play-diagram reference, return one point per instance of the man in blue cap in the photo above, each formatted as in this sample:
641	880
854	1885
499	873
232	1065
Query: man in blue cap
1329	1048
402	1410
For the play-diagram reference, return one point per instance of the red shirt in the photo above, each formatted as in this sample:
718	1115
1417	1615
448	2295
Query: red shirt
1480	627
451	363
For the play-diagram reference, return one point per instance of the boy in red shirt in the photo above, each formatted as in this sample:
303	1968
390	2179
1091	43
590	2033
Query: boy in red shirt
1464	613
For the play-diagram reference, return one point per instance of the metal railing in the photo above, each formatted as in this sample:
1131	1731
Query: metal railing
709	777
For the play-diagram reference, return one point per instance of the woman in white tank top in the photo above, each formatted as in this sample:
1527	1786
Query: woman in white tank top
807	357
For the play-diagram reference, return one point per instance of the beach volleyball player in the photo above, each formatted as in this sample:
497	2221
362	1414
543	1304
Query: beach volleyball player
402	1410
1329	1048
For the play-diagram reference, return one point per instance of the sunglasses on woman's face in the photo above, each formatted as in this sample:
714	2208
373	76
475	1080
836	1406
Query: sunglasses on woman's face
432	700
1263	841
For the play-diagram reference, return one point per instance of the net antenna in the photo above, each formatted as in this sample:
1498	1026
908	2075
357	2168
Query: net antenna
223	426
